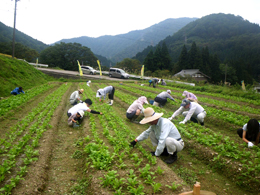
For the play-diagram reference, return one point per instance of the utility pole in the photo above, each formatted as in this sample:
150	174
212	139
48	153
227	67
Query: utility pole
225	73
14	27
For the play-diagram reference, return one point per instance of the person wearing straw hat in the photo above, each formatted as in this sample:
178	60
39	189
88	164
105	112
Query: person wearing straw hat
110	90
190	96
161	98
136	108
163	134
75	118
74	97
195	112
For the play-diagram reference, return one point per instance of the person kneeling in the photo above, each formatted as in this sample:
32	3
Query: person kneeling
163	134
75	118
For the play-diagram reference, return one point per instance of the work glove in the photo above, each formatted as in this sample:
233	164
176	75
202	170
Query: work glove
182	122
250	144
133	143
100	100
153	153
170	118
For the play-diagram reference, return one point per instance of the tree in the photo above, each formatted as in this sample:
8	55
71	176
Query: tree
149	61
165	57
65	56
129	65
183	58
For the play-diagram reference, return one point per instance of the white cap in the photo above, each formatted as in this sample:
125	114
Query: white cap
169	91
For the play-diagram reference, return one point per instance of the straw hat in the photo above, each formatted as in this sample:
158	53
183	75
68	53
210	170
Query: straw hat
81	90
150	115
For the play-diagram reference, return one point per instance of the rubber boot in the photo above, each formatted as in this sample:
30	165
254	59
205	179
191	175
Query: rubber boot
133	120
194	120
172	158
202	123
165	152
75	125
111	102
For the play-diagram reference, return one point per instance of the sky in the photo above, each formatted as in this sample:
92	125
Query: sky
52	20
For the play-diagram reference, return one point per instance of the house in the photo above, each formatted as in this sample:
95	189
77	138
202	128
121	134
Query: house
194	73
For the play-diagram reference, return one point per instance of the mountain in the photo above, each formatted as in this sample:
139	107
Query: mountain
118	47
6	35
234	40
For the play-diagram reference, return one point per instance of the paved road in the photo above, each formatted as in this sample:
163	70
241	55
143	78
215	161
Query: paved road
68	73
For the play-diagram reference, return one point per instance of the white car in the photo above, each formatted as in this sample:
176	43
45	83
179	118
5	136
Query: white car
88	70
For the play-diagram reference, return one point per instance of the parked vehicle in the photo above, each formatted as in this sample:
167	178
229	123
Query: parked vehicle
88	70
119	73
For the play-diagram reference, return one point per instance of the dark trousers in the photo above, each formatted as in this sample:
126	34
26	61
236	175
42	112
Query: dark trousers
248	137
161	101
111	95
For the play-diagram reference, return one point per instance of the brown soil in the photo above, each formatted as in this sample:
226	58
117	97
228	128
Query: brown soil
56	172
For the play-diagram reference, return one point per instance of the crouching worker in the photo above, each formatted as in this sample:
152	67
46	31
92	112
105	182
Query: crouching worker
110	90
136	108
163	134
161	98
250	132
74	97
75	118
195	112
84	106
17	91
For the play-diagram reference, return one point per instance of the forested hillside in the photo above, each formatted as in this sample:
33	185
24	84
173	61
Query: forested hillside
230	38
6	36
127	45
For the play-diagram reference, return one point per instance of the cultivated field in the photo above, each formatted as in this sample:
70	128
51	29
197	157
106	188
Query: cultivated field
40	154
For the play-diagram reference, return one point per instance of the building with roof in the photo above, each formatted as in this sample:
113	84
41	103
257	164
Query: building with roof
193	73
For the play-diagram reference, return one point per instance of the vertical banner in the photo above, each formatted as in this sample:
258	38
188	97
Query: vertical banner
142	71
99	68
80	71
36	62
243	85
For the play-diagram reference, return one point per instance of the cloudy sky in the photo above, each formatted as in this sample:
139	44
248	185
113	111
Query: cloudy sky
52	20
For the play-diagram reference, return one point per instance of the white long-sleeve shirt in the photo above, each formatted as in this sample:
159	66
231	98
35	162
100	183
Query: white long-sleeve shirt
80	106
163	129
74	95
134	106
104	91
194	110
165	95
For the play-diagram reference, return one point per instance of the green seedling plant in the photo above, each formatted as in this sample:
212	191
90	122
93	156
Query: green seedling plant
136	191
156	187
174	186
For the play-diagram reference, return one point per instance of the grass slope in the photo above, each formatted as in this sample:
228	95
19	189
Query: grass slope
15	73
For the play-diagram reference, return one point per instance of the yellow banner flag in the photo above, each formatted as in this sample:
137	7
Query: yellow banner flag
142	71
99	68
80	71
243	85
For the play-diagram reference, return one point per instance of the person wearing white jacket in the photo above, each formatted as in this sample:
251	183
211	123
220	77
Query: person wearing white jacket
110	90
163	134
195	112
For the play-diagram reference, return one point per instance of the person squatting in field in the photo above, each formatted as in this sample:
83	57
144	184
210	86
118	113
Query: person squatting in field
154	81
75	118
161	98
84	106
136	108
250	132
162	133
17	91
190	96
74	97
110	90
195	112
